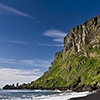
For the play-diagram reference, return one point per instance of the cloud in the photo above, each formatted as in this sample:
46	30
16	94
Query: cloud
57	36
52	45
13	41
36	62
19	42
4	9
54	33
5	60
9	76
58	40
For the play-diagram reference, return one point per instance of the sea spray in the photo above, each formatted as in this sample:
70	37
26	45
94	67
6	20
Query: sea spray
40	94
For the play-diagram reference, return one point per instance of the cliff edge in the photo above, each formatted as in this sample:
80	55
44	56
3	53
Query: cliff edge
77	66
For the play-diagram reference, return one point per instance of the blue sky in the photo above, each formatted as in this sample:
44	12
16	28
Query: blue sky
32	31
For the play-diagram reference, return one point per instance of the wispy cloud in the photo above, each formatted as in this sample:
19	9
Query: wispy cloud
4	9
54	33
10	75
58	39
52	45
5	60
57	36
19	42
27	62
36	62
13	41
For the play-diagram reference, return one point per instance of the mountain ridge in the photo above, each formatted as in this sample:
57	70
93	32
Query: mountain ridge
77	66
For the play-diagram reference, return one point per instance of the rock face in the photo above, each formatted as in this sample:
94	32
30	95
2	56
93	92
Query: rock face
77	66
82	35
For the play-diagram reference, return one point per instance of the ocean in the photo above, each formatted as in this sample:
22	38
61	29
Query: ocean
40	94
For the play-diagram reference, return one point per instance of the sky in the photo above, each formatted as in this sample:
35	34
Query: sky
32	31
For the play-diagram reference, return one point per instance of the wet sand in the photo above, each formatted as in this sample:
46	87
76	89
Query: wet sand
94	96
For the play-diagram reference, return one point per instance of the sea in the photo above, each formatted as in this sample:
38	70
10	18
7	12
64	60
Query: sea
40	94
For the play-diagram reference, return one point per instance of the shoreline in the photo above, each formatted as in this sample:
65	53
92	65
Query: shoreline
75	95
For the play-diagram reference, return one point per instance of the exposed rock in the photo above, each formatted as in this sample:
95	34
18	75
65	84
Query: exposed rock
77	66
6	87
83	35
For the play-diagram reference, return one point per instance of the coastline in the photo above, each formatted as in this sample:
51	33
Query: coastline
42	94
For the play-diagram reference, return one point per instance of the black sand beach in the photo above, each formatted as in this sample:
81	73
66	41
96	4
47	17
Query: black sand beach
94	96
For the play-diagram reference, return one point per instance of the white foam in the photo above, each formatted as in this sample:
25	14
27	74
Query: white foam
61	95
47	91
64	96
37	90
57	91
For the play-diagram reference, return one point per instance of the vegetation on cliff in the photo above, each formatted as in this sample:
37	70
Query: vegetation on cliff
77	66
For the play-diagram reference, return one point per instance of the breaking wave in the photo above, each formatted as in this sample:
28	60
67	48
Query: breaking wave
40	94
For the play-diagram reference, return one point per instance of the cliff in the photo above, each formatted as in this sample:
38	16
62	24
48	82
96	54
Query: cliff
87	33
77	66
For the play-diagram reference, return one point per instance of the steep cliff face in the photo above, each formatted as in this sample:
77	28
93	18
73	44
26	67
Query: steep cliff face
77	66
87	33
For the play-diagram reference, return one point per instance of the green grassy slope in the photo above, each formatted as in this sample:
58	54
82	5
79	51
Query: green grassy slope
72	69
77	66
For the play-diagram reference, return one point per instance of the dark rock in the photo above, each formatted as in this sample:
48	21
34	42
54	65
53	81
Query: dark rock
6	87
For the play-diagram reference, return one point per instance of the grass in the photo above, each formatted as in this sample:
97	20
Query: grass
68	68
